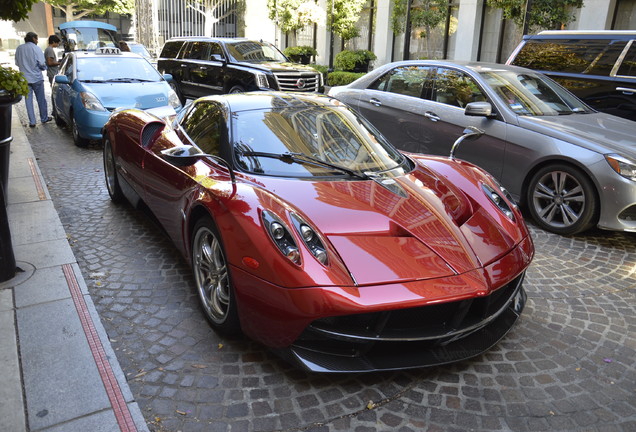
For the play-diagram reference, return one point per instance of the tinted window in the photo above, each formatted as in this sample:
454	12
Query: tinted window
628	65
205	124
196	51
406	80
170	49
455	88
594	57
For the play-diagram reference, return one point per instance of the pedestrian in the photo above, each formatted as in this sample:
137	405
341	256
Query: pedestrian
52	64
30	60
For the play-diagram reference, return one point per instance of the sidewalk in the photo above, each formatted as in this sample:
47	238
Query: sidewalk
58	372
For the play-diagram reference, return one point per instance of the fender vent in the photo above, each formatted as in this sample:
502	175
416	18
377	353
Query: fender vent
150	132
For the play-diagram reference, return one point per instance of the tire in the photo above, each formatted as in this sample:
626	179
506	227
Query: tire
77	139
58	120
562	199
236	89
110	174
212	278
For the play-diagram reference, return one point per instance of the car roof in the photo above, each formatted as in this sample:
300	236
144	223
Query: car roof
466	64
272	100
583	34
206	38
93	54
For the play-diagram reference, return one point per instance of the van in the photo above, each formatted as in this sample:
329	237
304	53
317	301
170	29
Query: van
597	66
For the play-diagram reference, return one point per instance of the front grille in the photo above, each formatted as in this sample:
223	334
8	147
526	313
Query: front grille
298	81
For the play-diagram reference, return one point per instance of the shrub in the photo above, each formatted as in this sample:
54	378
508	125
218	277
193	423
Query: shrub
343	78
13	83
300	54
324	70
354	61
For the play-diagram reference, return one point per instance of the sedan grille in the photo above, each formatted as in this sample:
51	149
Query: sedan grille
298	81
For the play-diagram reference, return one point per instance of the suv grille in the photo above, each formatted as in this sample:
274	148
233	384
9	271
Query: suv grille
298	81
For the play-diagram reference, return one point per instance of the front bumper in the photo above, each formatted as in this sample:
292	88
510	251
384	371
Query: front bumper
90	123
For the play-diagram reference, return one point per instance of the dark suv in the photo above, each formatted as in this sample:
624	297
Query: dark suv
201	66
597	66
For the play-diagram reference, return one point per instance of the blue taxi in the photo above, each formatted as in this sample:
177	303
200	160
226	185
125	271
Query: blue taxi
92	84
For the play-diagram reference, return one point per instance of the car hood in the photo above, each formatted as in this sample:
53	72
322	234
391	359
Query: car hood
130	95
280	67
418	227
599	132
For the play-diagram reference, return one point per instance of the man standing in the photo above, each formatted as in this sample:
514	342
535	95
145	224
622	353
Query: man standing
30	60
52	65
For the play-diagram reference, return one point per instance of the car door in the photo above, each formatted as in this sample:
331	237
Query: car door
63	94
207	75
444	120
193	53
393	105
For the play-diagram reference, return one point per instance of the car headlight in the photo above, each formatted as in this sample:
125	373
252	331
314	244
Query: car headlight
281	236
261	80
311	239
497	198
173	99
91	102
622	165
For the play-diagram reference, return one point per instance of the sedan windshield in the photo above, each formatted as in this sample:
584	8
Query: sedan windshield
255	52
311	142
116	69
532	94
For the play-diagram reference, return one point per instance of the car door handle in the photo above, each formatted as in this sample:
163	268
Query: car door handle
431	116
625	90
375	102
202	67
183	65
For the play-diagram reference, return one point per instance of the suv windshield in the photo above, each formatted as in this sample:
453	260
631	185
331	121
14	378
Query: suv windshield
116	69
532	94
255	52
292	142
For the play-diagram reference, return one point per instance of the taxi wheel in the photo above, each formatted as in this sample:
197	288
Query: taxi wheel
77	139
58	120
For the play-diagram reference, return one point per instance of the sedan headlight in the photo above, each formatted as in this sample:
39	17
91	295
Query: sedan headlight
497	198
622	165
91	102
173	99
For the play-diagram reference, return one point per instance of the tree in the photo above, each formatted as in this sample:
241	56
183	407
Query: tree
214	11
294	15
424	13
78	9
15	10
344	16
544	14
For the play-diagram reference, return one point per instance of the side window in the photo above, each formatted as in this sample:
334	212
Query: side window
196	51
455	88
171	49
67	67
405	80
627	67
588	56
205	124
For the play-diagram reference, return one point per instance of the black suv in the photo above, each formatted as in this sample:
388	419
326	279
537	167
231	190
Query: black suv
201	66
597	66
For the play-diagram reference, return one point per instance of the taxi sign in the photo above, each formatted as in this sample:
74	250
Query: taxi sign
107	50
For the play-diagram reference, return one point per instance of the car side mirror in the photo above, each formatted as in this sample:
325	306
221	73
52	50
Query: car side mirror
61	79
478	109
217	57
168	77
182	156
469	134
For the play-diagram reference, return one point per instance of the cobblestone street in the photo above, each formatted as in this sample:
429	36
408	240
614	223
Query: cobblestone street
567	365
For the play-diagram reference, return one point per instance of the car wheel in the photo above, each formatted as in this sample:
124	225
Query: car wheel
237	89
562	199
176	89
212	277
77	139
110	172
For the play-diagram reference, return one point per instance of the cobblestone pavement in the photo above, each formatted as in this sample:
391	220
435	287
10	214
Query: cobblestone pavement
568	364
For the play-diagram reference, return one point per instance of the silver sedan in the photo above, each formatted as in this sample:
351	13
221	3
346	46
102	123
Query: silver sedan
570	166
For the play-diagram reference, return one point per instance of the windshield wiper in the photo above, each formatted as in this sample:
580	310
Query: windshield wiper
127	80
301	158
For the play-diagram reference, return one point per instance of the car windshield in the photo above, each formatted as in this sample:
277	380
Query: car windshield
116	69
311	141
255	52
532	94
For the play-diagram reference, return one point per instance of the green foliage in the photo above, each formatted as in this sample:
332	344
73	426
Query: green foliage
13	82
544	14
324	70
344	16
342	78
424	13
16	10
348	60
297	51
293	15
76	9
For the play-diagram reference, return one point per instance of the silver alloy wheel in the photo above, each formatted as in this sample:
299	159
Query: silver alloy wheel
211	275
559	199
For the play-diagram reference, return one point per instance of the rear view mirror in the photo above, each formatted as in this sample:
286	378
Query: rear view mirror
478	109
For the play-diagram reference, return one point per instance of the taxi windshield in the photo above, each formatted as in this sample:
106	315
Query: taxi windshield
98	68
311	141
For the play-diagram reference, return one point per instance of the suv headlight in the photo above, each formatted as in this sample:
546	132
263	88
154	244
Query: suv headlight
261	80
91	102
622	165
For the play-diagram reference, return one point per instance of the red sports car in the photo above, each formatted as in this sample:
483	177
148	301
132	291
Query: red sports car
313	235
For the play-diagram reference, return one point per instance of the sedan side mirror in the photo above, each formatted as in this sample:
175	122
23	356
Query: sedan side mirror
478	109
61	79
168	77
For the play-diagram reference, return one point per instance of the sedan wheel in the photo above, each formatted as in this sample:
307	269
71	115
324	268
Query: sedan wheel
77	139
110	172
561	199
213	278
